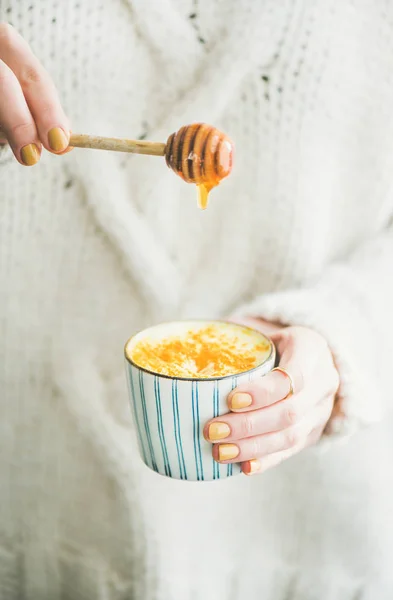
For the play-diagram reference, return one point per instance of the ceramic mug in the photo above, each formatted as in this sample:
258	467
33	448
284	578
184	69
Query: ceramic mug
169	413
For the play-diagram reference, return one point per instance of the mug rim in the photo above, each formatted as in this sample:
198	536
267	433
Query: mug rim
272	353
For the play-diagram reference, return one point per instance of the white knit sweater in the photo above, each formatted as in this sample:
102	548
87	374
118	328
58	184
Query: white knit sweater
94	246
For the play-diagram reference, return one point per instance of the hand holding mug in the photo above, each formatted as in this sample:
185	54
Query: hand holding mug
276	416
180	375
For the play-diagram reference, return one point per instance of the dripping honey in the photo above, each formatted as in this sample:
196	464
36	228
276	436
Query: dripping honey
203	191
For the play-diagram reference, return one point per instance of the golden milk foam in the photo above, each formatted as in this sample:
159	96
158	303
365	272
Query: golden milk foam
198	349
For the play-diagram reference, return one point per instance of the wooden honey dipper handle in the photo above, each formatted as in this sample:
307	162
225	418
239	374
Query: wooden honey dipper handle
97	142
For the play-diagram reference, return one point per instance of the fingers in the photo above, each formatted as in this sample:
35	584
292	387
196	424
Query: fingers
260	465
292	439
39	94
281	415
257	446
16	119
274	386
303	355
261	392
306	356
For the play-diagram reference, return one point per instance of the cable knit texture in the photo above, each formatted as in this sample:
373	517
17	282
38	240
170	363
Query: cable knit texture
96	245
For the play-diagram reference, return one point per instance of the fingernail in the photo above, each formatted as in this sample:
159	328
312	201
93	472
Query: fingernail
30	155
240	400
218	431
227	451
254	465
57	139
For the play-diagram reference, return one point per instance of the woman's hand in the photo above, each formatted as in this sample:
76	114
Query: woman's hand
31	115
266	423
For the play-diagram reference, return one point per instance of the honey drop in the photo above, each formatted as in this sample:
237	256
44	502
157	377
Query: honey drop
203	191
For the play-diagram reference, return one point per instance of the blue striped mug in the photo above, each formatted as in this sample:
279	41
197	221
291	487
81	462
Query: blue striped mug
169	413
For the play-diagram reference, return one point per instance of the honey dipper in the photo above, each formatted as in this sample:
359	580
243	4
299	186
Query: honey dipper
198	153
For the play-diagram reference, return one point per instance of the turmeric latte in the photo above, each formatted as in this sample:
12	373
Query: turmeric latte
198	349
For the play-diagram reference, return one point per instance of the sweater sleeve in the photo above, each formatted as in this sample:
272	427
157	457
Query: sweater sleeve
351	305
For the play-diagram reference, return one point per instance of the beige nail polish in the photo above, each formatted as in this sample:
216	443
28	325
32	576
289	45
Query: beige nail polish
218	431
254	465
240	400
57	139
30	155
227	451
